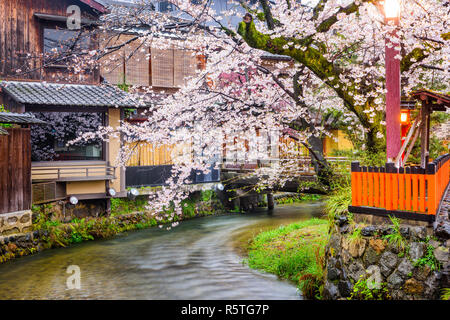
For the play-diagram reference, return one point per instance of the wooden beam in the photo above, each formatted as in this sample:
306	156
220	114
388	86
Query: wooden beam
405	144
386	213
423	139
408	152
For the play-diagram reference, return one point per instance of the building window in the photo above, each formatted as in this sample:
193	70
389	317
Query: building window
165	6
49	142
137	65
59	44
172	67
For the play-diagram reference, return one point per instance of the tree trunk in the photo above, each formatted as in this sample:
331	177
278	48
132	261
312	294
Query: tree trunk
320	164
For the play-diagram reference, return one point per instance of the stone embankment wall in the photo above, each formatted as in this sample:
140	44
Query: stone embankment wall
363	251
15	222
55	233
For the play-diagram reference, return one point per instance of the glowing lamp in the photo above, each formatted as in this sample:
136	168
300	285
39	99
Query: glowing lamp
73	200
111	192
132	194
392	9
220	186
404	117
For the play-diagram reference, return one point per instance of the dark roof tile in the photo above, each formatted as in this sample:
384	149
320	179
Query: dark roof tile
19	118
57	94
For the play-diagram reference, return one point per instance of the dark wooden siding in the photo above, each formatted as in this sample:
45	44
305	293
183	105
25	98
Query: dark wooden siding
21	34
144	176
15	170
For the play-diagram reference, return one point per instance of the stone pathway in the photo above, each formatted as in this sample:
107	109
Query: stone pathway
442	224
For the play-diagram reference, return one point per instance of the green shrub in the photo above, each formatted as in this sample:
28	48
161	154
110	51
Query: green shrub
445	294
338	202
396	238
429	259
356	235
363	291
124	205
207	195
298	198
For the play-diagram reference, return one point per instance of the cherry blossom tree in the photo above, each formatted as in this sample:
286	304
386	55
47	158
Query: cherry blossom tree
337	46
337	53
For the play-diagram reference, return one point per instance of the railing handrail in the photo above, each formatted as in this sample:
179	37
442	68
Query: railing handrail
70	172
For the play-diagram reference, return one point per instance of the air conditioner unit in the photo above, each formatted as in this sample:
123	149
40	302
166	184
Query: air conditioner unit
48	192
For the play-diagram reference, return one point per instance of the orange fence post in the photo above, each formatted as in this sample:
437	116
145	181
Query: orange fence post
401	188
370	185
356	192
376	188
415	189
388	183
408	188
382	187
364	186
422	190
394	186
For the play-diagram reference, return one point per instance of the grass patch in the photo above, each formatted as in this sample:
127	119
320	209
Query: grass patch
369	290
338	202
298	198
429	259
294	252
445	294
396	238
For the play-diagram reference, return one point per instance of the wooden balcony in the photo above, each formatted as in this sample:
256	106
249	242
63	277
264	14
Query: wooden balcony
62	171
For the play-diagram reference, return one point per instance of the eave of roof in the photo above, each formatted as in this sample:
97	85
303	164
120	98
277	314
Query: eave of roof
439	101
95	5
444	98
19	118
56	18
74	95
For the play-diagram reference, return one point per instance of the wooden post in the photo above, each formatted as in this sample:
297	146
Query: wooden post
414	127
393	126
432	188
356	193
424	141
270	202
108	207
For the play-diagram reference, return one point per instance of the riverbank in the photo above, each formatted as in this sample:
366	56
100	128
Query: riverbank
193	261
291	198
51	232
294	252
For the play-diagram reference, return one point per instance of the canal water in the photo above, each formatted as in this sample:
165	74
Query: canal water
199	259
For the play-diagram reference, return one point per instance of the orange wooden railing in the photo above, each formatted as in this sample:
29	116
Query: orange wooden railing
410	189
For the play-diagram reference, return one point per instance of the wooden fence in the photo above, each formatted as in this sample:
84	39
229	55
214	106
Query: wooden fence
15	170
410	190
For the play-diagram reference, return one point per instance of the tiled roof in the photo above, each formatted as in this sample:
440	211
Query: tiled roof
19	118
98	5
55	94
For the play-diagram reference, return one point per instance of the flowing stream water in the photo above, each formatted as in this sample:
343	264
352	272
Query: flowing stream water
199	259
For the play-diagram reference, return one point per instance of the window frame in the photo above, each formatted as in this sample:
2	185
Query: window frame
56	26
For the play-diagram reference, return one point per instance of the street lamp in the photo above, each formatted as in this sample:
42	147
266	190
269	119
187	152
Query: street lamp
392	9
404	117
133	193
393	116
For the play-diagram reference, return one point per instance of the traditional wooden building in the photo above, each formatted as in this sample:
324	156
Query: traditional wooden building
15	171
37	76
32	30
37	73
